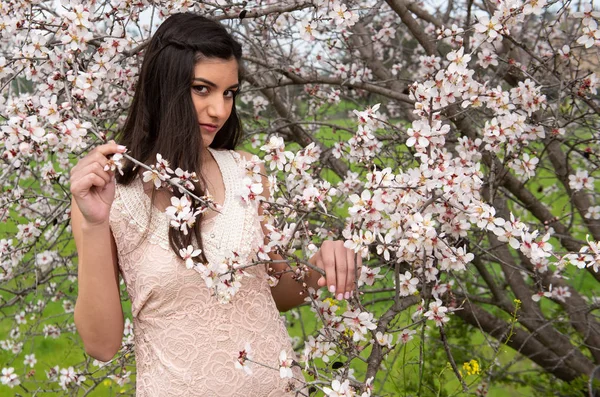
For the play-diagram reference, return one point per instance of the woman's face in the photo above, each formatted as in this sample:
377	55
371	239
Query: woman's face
213	89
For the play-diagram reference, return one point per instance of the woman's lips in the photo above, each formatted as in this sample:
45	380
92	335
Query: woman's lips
212	128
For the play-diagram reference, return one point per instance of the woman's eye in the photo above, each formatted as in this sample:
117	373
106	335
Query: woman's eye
201	89
230	93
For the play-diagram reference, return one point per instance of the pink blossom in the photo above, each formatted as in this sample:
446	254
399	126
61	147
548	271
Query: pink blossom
285	365
581	180
437	312
9	377
339	389
406	335
244	358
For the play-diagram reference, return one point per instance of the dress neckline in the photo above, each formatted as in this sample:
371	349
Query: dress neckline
217	157
157	213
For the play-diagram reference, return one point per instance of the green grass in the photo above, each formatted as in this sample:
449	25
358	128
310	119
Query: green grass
403	361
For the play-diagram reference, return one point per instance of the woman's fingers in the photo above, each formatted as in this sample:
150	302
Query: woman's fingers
83	185
322	281
351	274
328	260
93	164
93	168
98	154
341	270
93	187
85	178
342	267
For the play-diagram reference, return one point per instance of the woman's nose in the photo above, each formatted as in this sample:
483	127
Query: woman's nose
218	108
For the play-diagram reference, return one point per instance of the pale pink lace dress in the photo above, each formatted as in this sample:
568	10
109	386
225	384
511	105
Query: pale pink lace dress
186	342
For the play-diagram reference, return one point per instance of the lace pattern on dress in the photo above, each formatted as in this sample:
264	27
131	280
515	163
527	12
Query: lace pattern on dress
186	342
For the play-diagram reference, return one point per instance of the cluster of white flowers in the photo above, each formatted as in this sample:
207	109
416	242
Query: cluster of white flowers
525	167
115	163
344	389
385	34
252	186
588	256
244	359
280	238
68	377
51	330
358	322
223	277
30	232
507	15
318	348
593	212
331	15
427	65
581	180
385	210
353	322
451	35
258	103
276	155
10	345
303	189
408	284
78	32
26	135
589	22
181	214
164	177
121	378
9	377
363	145
342	16
559	293
128	336
353	72
285	365
437	312
368	275
422	133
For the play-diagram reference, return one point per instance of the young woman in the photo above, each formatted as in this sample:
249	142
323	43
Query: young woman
186	341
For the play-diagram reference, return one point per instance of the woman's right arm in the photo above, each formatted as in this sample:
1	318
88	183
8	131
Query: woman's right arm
98	311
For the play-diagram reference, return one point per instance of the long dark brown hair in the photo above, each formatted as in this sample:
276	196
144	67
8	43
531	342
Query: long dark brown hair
162	118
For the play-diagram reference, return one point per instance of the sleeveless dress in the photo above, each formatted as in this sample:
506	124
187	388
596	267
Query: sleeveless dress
186	341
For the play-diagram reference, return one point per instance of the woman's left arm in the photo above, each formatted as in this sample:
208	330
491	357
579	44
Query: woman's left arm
337	261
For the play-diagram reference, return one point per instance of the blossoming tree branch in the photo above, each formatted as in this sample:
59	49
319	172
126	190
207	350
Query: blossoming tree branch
454	147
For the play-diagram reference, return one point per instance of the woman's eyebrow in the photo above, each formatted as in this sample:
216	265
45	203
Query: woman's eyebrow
210	83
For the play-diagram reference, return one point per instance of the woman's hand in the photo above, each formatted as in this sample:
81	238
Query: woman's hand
92	187
340	268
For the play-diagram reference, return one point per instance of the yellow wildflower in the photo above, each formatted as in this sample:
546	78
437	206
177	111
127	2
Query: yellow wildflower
472	367
349	333
330	301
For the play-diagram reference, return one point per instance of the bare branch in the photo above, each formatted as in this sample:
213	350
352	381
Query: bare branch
399	6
